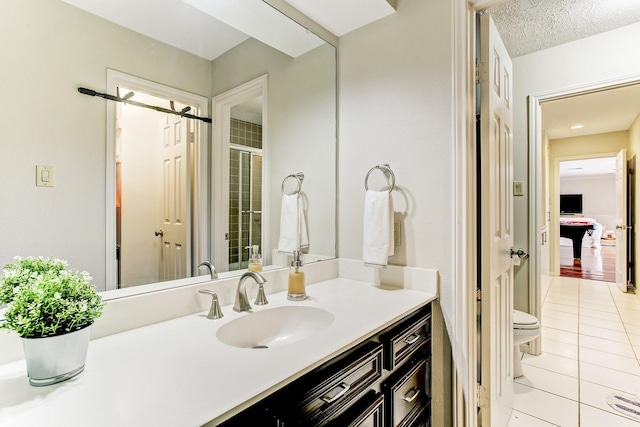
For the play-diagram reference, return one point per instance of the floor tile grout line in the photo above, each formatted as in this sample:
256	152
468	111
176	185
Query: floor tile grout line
624	325
583	289
579	353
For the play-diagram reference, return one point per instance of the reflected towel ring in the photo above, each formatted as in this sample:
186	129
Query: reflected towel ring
299	177
386	170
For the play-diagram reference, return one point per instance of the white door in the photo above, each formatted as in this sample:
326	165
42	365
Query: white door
175	212
496	224
621	220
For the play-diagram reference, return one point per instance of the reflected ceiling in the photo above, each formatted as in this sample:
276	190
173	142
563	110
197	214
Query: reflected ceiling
206	37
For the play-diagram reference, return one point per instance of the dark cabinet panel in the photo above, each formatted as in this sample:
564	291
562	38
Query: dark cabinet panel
406	338
406	393
368	411
324	393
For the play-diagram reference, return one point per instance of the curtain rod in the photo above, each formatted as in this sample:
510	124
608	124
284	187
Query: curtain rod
182	113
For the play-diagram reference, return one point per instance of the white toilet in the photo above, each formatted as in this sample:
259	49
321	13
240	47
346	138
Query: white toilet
525	328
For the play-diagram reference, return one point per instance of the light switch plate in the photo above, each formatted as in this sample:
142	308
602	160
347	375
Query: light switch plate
518	188
44	176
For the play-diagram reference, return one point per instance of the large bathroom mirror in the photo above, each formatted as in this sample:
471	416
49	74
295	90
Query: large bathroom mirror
53	47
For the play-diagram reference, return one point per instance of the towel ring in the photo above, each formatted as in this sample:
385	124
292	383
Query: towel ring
386	170
299	177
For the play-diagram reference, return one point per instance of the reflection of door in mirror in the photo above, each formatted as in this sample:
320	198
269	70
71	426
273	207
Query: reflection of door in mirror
240	167
245	204
153	183
156	183
245	181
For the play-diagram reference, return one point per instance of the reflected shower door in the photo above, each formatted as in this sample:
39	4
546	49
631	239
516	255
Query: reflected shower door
245	205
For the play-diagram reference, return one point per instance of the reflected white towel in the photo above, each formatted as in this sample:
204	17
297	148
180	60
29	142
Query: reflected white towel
293	226
378	228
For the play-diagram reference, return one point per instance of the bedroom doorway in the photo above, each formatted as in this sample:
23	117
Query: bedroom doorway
588	197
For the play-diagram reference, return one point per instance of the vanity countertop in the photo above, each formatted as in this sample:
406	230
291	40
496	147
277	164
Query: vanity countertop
176	373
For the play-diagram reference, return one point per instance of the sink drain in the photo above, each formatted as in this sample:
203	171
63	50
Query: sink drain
260	346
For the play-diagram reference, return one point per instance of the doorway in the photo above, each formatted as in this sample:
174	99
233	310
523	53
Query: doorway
587	196
544	212
239	162
194	170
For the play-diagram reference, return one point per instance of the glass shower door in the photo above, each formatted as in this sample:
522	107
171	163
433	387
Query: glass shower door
245	205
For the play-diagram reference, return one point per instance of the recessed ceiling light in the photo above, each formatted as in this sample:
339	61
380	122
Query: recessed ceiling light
577	126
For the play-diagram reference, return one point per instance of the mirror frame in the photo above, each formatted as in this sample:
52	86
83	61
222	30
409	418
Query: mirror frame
199	225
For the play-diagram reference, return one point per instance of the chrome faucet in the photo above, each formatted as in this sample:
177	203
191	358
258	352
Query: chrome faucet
242	301
212	269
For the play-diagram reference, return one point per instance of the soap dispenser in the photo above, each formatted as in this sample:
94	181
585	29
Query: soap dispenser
255	261
296	279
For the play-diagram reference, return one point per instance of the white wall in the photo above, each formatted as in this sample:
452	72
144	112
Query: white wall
396	107
599	58
598	196
49	49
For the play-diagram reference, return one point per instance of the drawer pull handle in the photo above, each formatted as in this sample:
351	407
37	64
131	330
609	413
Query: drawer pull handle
411	395
329	399
413	338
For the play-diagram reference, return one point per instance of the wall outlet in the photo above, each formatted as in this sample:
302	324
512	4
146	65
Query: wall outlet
396	233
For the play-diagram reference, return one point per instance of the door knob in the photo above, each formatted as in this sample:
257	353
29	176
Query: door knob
623	227
520	253
159	233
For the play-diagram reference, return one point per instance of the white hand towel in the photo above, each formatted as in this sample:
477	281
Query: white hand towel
378	228
293	226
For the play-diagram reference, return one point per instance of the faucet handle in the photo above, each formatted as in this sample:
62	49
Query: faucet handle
261	298
214	312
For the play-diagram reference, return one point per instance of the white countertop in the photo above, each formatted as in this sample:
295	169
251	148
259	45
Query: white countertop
176	373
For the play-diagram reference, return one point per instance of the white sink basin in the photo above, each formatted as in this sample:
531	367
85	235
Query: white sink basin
274	327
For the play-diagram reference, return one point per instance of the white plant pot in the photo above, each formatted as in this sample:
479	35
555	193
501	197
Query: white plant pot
55	359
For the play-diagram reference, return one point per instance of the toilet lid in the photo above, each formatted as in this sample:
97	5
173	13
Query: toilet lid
524	320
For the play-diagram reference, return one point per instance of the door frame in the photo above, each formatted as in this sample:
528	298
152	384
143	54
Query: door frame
466	393
199	209
536	220
221	108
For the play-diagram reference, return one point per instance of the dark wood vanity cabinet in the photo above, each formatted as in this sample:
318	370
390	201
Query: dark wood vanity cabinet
384	381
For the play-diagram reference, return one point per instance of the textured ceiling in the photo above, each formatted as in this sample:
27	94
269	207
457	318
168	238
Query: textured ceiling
527	26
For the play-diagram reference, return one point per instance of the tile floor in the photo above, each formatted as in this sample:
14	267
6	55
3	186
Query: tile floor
590	345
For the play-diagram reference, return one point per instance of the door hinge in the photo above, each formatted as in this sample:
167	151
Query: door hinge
482	396
480	71
192	137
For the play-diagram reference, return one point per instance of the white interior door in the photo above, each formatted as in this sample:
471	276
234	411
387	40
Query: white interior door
175	199
496	181
621	220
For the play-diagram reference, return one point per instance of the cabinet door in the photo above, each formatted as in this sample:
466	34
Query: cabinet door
368	411
406	393
402	341
324	394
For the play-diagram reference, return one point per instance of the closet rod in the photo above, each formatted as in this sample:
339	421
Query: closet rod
91	92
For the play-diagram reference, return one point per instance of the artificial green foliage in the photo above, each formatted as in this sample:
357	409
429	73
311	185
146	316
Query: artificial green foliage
45	299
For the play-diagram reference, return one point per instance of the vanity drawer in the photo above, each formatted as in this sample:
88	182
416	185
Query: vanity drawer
406	393
326	392
368	411
401	342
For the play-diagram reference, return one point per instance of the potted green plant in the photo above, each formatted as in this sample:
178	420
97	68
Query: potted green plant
51	308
